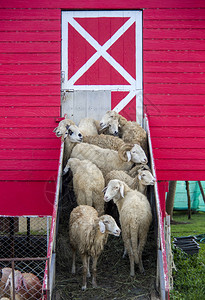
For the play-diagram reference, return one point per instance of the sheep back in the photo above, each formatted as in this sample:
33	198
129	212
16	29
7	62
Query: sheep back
82	231
88	183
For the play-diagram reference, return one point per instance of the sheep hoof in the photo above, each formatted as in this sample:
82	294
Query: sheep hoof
132	274
83	287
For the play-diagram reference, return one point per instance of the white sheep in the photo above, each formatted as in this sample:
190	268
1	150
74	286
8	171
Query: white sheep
88	234
105	141
89	126
135	219
27	286
131	132
140	182
88	183
62	127
110	128
107	159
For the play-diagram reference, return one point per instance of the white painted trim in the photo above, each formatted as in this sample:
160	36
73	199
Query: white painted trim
135	85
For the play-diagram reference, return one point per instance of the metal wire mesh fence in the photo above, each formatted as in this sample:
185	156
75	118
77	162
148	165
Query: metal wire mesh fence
22	278
23	255
24	236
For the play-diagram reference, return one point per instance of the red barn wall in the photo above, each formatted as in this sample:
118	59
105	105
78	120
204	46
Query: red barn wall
30	56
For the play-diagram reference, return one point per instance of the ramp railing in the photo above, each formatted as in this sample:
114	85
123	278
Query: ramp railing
162	269
49	275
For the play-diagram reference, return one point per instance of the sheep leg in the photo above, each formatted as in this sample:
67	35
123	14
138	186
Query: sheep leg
142	242
88	271
128	247
85	267
94	271
73	263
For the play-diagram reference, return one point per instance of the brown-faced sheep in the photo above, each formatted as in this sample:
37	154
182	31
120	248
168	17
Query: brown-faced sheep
27	286
135	219
88	234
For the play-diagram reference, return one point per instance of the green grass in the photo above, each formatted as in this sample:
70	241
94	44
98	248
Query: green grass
189	278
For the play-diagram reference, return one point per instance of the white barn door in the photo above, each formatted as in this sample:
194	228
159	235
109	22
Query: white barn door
102	64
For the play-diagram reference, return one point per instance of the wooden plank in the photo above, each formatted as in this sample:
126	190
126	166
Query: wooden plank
180	164
173	33
24	90
174	14
178	143
27	132
28	25
180	175
37	36
190	24
165	77
179	154
112	4
33	198
174	44
45	143
182	66
160	88
29	154
30	79
30	14
179	121
30	111
32	68
31	122
31	58
32	164
177	110
29	100
183	99
43	47
173	55
176	131
33	175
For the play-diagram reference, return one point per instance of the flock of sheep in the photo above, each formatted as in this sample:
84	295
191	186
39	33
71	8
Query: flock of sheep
108	161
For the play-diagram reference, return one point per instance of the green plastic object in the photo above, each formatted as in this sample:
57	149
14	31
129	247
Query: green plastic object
181	202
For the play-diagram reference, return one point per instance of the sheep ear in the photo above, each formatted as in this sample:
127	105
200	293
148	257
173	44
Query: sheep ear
122	190
139	176
7	284
128	155
67	126
102	226
66	169
25	283
55	129
104	190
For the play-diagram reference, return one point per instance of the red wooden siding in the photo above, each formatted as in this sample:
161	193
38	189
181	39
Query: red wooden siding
30	104
174	91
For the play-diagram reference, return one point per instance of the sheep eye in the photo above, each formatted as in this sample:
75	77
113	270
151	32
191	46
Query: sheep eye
106	222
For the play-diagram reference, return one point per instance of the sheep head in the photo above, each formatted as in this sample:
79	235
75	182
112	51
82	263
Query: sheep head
134	153
114	190
110	121
146	177
73	134
61	129
18	280
108	224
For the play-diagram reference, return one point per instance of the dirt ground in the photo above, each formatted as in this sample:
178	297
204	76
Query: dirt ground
113	279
